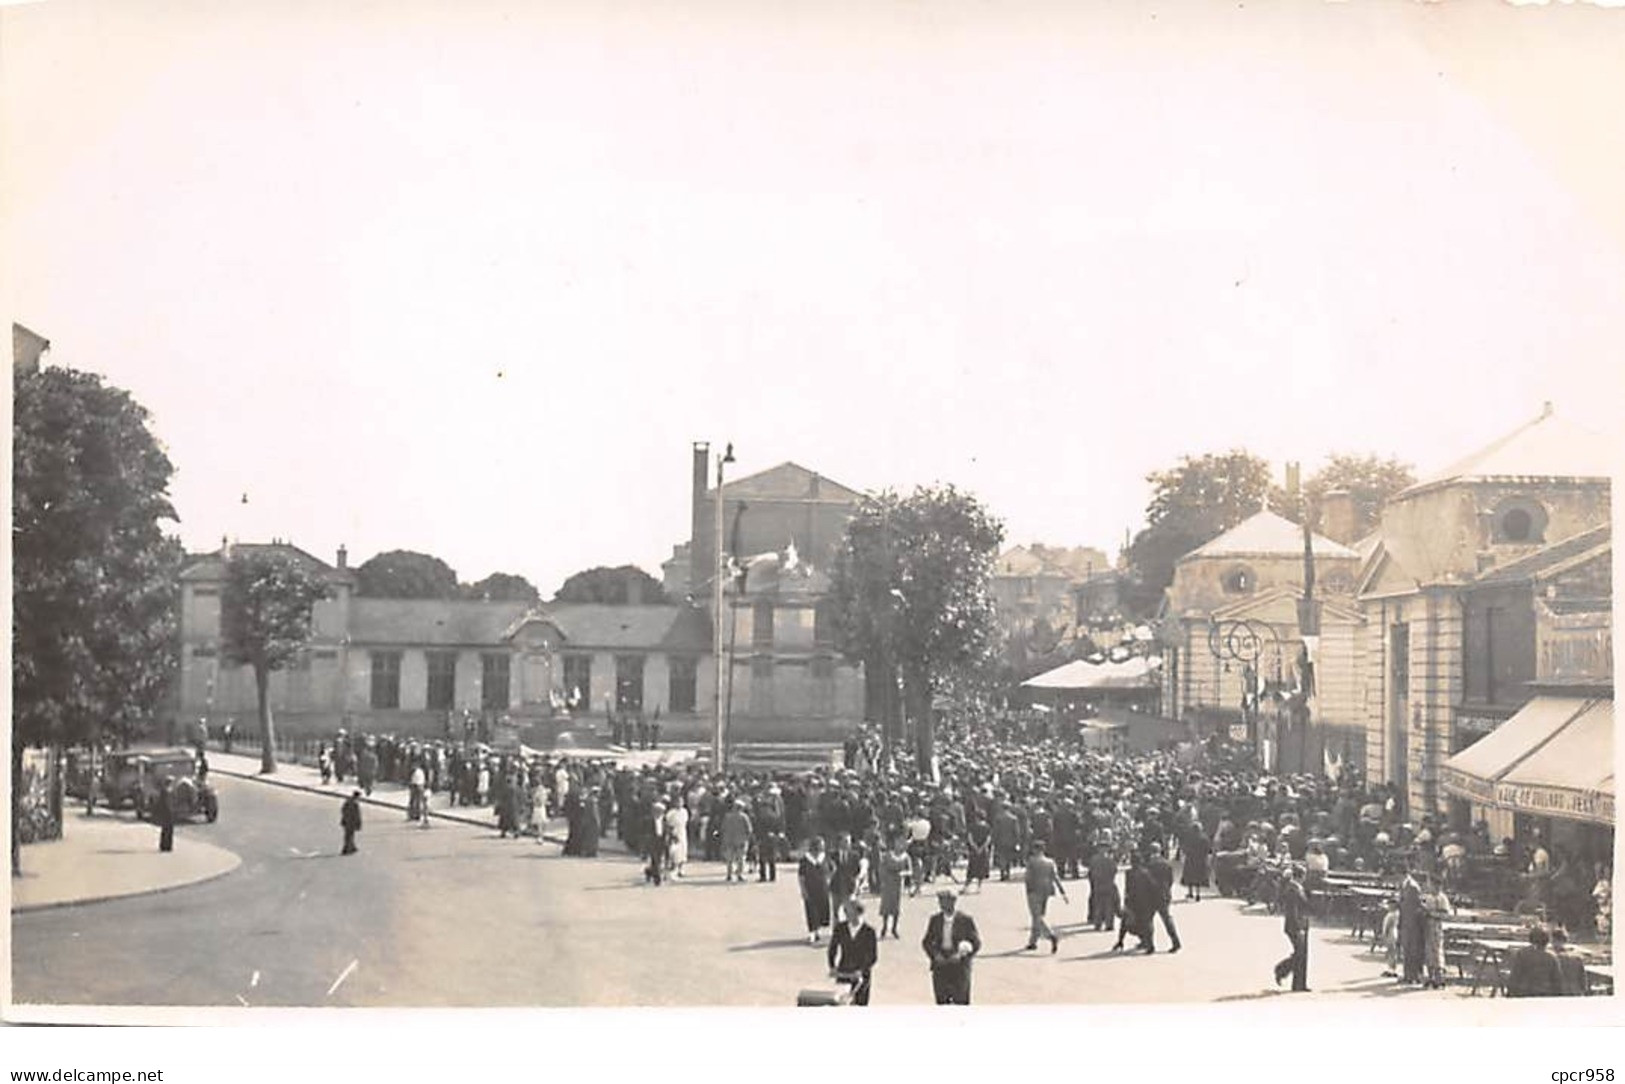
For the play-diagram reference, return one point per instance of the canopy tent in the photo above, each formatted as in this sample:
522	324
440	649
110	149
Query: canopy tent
1134	673
1554	758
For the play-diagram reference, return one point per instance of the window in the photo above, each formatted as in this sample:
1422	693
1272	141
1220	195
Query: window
578	681
1400	647
629	682
203	651
824	623
205	592
386	679
684	673
494	674
761	686
442	694
761	626
823	685
1239	580
1520	521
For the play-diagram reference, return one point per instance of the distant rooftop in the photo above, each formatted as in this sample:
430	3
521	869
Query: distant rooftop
1267	534
1550	446
788	482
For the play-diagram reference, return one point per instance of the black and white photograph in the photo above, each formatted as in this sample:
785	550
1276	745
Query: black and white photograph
899	506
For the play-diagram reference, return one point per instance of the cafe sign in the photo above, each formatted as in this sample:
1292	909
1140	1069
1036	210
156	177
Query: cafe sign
1594	806
1468	786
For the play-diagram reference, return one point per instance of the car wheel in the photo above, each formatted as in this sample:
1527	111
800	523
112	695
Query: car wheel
210	814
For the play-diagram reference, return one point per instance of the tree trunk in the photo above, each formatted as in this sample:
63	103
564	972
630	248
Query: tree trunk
16	806
917	692
262	681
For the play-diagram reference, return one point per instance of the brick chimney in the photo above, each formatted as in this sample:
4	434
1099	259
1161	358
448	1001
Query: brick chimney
701	550
344	557
1337	519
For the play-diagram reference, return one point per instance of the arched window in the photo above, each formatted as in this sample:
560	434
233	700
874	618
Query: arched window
1239	580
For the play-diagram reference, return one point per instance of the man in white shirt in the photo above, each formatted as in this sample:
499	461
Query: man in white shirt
416	807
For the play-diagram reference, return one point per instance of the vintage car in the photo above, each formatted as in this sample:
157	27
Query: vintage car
132	778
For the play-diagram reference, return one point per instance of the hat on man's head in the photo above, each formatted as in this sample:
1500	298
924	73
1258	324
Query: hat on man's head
947	893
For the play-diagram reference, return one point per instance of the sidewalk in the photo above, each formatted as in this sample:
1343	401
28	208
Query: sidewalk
384	795
105	857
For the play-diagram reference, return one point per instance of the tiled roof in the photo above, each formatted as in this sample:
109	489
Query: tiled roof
788	482
1267	534
1077	563
1531	566
1548	447
431	621
210	567
441	622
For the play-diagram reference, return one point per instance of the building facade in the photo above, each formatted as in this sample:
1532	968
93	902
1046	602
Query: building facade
1426	658
782	678
1539	659
1038	583
1232	633
409	665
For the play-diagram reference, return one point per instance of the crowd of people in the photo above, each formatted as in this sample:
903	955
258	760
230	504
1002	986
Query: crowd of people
1044	810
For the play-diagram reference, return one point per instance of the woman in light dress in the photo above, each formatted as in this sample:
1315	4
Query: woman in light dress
1436	909
676	831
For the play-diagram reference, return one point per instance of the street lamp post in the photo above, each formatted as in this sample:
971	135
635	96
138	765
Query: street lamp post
718	732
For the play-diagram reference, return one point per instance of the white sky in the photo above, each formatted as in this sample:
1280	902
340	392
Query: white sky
469	278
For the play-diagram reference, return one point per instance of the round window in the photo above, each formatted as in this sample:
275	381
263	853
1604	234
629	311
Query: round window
1520	521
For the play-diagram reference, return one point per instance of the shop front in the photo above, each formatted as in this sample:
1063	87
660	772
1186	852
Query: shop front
1546	774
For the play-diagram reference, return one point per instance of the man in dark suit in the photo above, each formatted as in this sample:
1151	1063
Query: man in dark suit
853	952
846	874
1294	904
1162	876
1140	895
350	820
1570	968
163	814
1533	971
951	943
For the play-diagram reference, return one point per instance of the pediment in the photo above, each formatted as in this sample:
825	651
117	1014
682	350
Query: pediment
1384	575
1280	607
535	632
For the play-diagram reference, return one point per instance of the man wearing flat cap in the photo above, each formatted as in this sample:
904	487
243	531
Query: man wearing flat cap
951	943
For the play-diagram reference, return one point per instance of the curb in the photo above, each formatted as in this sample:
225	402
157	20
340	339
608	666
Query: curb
377	803
56	905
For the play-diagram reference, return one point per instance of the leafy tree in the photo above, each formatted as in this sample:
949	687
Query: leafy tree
612	586
1193	503
1370	479
265	620
405	574
501	587
93	623
912	598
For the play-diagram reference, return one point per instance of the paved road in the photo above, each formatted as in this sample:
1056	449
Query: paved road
455	916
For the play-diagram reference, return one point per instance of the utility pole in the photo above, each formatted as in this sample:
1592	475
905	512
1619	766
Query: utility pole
718	732
1309	632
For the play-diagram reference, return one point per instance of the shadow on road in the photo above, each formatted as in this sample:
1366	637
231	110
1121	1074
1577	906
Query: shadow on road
781	942
1259	996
